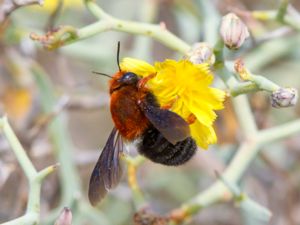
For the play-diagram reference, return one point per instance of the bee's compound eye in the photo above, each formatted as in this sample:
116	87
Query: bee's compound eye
129	78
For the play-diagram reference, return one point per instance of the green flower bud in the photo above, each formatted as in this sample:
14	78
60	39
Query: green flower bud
233	31
284	97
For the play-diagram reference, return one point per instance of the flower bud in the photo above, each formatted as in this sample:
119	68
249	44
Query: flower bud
65	217
284	97
242	71
201	52
233	31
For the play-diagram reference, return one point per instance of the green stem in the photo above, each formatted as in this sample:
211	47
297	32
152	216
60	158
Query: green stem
243	88
276	133
35	178
248	206
282	10
281	16
240	103
71	187
132	164
156	32
33	204
241	161
257	83
96	10
27	219
245	116
218	191
227	77
211	19
108	22
45	172
271	51
93	215
263	83
218	52
19	151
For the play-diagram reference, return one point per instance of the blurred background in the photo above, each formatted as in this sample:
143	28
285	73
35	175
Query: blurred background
60	110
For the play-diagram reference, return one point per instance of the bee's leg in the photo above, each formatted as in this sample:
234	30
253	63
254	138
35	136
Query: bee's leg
142	82
169	105
191	119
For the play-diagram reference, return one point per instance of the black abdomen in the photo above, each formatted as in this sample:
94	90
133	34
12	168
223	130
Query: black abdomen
155	147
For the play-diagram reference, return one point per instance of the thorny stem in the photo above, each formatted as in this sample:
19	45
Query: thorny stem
35	178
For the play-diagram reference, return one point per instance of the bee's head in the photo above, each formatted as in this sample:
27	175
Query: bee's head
123	79
128	78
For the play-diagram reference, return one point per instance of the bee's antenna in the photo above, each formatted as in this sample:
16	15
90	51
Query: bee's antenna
118	56
103	74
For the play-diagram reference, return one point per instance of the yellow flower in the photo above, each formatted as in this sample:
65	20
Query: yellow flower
185	89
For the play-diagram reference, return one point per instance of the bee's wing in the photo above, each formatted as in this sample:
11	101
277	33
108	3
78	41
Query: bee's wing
108	170
172	126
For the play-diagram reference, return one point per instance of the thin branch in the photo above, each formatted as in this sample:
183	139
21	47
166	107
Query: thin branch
132	165
54	15
251	207
107	22
44	121
282	10
19	151
8	6
279	132
35	178
272	15
252	82
245	117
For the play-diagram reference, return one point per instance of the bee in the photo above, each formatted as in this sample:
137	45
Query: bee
163	136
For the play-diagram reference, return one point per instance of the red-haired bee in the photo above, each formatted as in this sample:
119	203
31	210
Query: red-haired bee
163	136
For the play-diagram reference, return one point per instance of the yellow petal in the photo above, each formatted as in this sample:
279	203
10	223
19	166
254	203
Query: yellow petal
139	67
213	96
202	111
203	135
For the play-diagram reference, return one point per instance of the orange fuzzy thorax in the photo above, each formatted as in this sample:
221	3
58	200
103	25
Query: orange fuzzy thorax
126	113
